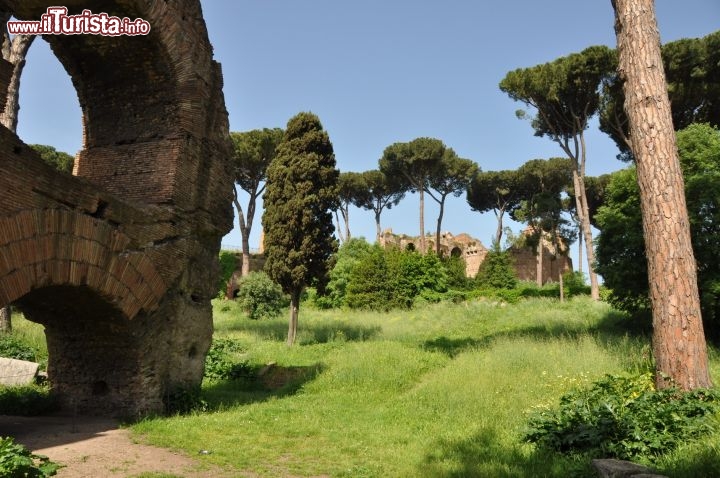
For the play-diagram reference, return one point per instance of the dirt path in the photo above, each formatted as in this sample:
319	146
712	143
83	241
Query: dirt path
97	448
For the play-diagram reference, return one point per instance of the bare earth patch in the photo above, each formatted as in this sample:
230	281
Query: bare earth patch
91	447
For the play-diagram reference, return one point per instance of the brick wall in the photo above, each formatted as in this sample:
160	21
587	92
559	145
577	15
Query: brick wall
119	261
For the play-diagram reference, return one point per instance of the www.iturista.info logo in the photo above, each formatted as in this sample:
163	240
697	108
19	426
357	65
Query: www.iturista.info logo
56	21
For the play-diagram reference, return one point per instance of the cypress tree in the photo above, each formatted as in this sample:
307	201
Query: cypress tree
301	192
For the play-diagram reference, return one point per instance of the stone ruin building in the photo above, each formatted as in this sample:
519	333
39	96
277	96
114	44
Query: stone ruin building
118	261
470	249
473	253
554	264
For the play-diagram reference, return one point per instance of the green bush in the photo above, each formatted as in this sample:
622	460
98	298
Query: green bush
388	279
370	286
348	256
219	364
27	400
574	283
626	418
455	270
511	296
12	347
260	297
529	289
184	400
16	461
456	296
415	275
432	278
496	271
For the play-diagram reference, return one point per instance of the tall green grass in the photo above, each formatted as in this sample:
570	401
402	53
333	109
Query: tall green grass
31	334
439	391
442	391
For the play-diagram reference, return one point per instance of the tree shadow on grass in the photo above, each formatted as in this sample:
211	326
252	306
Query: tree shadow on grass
453	346
485	455
258	384
319	333
612	330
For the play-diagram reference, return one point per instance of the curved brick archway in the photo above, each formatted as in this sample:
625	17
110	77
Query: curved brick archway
59	247
118	262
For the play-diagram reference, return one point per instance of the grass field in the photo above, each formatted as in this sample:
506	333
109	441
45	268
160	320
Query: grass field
441	391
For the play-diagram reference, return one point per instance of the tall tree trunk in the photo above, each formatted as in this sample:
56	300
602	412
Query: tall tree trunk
14	51
244	232
294	309
678	338
5	320
346	217
245	267
562	284
539	265
499	231
423	250
338	229
439	225
584	216
580	254
378	231
559	265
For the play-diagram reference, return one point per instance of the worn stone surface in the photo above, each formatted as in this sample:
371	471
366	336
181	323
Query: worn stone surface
119	260
525	263
17	372
612	468
554	263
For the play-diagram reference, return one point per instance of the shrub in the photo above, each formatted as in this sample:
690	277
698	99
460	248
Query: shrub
260	297
455	272
529	289
574	283
218	363
496	271
387	279
510	296
348	256
26	400
413	274
625	417
184	400
16	461
12	347
369	286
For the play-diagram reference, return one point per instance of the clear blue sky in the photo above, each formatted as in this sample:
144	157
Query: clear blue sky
381	71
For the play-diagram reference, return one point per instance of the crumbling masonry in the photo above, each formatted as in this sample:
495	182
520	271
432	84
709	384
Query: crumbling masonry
118	261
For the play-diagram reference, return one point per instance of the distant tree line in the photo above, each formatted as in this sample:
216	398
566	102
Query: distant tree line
554	198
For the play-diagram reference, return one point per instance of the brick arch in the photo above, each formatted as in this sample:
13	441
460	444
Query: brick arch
64	248
135	232
145	102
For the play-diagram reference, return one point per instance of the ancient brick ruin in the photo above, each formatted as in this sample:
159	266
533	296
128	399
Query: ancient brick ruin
463	245
473	253
553	265
118	261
